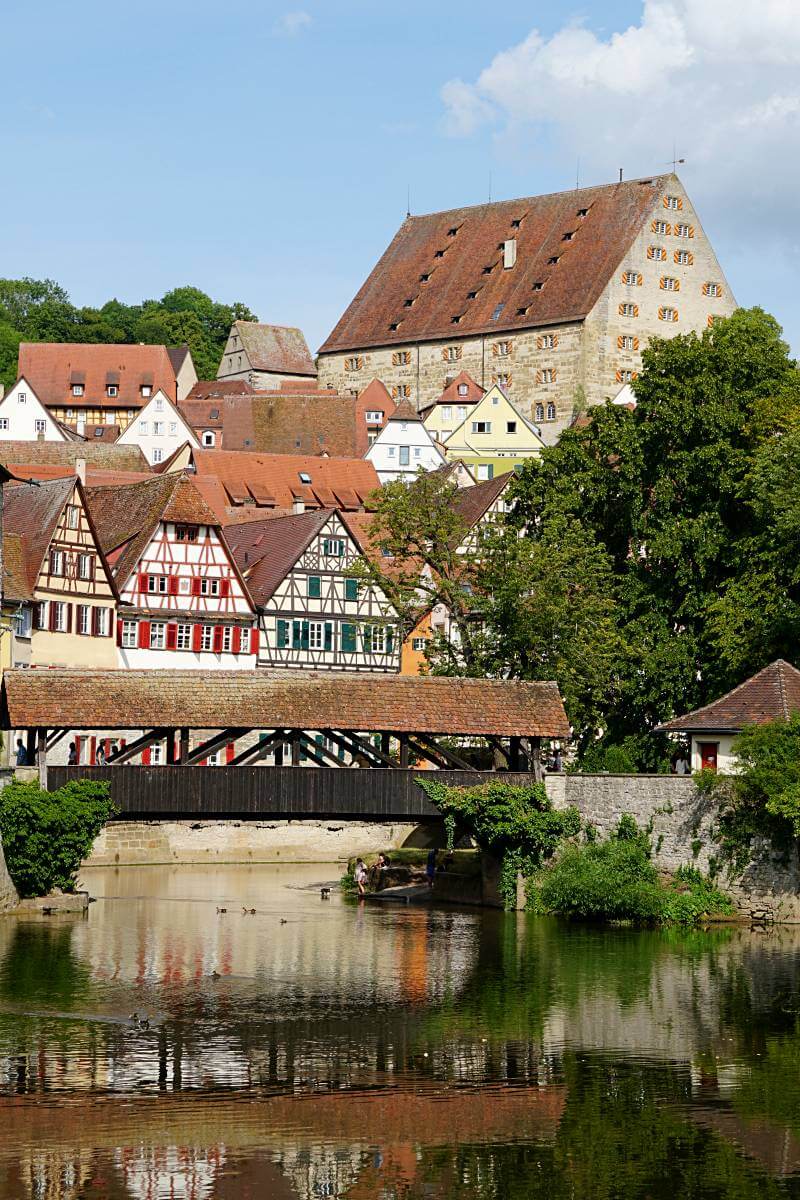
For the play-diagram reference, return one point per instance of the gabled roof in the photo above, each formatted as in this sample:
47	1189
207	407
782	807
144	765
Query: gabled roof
437	261
265	551
291	422
127	517
405	411
771	694
67	454
97	434
52	368
178	356
474	415
450	395
377	396
474	502
278	349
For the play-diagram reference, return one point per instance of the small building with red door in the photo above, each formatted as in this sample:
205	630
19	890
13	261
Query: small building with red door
183	601
771	694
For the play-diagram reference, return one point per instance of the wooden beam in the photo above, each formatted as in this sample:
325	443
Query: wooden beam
30	746
386	743
353	743
403	739
41	757
513	756
536	759
318	754
183	752
260	749
134	748
424	740
294	742
55	737
170	754
215	743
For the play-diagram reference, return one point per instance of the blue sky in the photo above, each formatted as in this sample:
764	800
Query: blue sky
263	152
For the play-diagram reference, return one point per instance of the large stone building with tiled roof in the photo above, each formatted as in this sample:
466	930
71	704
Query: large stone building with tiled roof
265	355
552	297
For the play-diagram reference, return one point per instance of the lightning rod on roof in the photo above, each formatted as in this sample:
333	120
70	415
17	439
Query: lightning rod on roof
408	202
490	187
578	175
620	174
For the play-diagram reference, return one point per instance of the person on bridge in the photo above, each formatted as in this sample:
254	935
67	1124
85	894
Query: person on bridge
22	754
72	757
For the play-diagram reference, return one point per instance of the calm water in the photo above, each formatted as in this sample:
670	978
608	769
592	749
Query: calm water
385	1052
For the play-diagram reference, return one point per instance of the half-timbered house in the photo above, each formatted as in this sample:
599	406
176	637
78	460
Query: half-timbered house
57	587
314	613
183	601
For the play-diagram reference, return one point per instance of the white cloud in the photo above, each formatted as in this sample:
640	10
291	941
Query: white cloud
720	78
292	23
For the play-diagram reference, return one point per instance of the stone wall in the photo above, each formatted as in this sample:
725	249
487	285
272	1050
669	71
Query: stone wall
8	893
682	830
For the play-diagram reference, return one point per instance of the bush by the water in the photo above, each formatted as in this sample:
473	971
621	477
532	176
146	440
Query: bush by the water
46	835
616	880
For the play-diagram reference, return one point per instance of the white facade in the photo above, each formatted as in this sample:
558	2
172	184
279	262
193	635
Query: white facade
184	607
23	417
707	746
159	429
402	448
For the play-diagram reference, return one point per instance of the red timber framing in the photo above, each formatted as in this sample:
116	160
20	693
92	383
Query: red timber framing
328	719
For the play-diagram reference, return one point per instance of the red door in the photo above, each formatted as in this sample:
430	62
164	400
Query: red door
708	755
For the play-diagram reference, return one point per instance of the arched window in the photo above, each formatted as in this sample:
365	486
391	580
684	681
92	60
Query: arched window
209	438
539	412
551	411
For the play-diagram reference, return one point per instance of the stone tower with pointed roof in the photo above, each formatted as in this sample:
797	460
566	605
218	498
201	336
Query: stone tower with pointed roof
551	297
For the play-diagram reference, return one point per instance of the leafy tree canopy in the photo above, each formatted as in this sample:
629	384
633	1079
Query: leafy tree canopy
40	310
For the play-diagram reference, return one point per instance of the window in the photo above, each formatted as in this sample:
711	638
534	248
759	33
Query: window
158	635
548	375
551	262
404	457
502	349
158	428
390	450
662	227
462	389
210	587
143	426
40	425
539	412
626	309
334	547
568	236
22	622
85	563
156	754
3	422
417	452
316	635
59	613
485	471
418	644
157	584
673	202
84	619
624	375
207	637
626	342
551	411
173	428
374	416
451	353
447	412
547	341
351	589
304	477
461	412
375	638
401	391
348	638
183	640
481	426
537	287
158	454
684	257
73	516
631	278
667	314
227	639
354	363
185	533
129	635
669	284
502	380
712	289
209	438
657	252
22	397
112	389
511	426
56	562
159	404
686	231
101	620
245	646
77	389
146	390
401	358
314	587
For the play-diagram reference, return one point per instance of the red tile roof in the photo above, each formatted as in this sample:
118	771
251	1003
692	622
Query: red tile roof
215	389
265	551
95	477
51	368
32	514
107	434
451	395
311	422
278	349
772	694
124	699
405	411
230	479
439	260
66	454
474	502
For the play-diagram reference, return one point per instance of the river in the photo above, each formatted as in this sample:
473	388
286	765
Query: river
324	1048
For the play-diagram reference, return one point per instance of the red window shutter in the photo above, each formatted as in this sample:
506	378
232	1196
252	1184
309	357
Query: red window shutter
225	587
172	585
172	637
69	617
196	585
146	757
236	639
94	622
52	615
119	633
197	638
229	752
144	635
254	641
92	751
143	583
217	639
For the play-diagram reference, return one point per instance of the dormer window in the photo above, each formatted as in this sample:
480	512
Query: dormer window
583	212
77	389
551	262
209	438
146	390
537	287
462	389
112	390
304	477
452	232
498	310
568	236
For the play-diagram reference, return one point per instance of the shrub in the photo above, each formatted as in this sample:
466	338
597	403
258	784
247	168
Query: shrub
46	835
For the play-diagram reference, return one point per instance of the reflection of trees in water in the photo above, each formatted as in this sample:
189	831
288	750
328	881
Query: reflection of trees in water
39	967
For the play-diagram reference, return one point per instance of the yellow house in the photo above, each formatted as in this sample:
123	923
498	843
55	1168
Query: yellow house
494	437
59	599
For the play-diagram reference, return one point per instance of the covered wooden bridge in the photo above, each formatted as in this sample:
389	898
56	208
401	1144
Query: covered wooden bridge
389	722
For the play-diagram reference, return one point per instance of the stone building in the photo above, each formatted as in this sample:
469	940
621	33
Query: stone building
266	355
551	297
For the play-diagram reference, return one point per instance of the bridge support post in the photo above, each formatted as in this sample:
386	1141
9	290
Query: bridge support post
184	746
41	757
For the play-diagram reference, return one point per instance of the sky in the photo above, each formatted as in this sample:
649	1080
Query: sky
265	152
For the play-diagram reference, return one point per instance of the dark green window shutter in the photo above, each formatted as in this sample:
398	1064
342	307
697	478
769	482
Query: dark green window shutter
351	589
328	635
389	639
314	590
348	638
490	471
283	634
326	545
304	636
297	635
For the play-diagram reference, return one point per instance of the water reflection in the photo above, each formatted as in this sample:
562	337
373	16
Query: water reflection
317	1048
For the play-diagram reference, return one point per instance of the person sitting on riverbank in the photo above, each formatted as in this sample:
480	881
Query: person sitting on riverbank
361	877
378	871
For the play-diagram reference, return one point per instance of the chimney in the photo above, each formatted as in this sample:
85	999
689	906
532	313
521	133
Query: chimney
80	469
298	506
